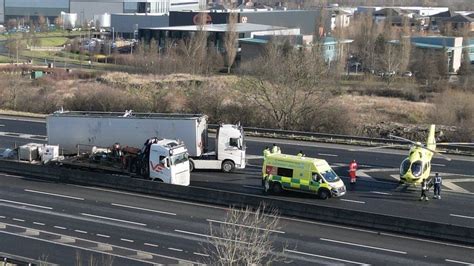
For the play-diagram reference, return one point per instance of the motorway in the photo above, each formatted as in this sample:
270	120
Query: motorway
306	242
63	222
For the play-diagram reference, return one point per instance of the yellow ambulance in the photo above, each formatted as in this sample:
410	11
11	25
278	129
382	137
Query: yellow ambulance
299	173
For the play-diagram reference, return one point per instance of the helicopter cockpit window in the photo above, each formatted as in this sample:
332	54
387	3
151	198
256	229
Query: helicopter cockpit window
404	167
417	168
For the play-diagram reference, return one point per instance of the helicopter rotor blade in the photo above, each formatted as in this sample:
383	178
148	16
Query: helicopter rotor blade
379	147
437	153
404	139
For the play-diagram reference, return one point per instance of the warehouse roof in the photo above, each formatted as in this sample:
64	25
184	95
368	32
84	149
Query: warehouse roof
239	27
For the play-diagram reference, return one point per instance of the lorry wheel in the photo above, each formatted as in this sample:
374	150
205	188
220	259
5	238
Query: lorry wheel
276	188
191	166
228	166
323	194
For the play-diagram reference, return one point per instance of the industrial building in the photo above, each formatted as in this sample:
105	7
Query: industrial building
127	25
86	9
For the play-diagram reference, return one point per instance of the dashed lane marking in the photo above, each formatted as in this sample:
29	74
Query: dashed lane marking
42	224
459	262
112	219
381	193
245	226
364	246
142	209
328	154
101	235
53	194
252	187
151	245
127	240
438	164
80	231
323	257
354	201
176	249
60	227
200	254
462	216
18	220
26	204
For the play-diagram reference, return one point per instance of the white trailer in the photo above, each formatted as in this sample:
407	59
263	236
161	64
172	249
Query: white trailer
74	131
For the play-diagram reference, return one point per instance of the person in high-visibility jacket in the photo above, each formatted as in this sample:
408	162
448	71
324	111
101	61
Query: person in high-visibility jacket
266	151
276	149
352	171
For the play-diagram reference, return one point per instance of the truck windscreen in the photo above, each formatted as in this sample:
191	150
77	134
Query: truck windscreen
179	158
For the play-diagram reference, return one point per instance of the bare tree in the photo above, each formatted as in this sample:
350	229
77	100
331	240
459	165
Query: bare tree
287	84
246	237
405	44
230	40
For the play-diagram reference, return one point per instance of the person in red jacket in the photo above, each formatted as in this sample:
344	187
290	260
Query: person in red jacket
352	171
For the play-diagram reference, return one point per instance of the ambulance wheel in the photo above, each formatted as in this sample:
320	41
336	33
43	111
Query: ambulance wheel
191	166
323	194
276	188
228	166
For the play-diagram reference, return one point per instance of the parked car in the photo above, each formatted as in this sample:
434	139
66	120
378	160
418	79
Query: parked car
407	74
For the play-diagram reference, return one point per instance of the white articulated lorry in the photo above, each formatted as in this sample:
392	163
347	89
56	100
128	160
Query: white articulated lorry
74	130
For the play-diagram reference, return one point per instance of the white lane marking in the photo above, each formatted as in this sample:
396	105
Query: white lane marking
354	201
112	219
39	223
2	217
427	241
142	209
80	231
176	249
252	187
151	197
327	154
449	184
101	235
208	236
324	257
246	226
60	227
2	125
462	216
96	243
459	262
77	247
151	245
26	204
200	254
18	220
381	193
364	246
438	164
53	194
127	240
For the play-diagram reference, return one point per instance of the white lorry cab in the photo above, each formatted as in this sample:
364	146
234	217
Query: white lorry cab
169	163
229	151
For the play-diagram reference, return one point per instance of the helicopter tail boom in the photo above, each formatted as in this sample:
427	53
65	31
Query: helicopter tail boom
431	140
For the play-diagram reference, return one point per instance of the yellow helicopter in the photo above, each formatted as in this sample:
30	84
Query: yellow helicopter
417	166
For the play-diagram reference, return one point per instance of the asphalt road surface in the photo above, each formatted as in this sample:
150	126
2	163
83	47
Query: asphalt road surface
377	190
62	223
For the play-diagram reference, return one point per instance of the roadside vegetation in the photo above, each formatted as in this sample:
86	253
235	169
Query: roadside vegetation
284	88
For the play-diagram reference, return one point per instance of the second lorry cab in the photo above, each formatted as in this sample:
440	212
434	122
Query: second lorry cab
303	174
